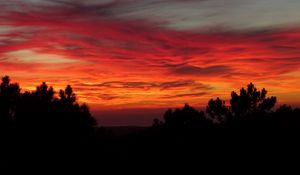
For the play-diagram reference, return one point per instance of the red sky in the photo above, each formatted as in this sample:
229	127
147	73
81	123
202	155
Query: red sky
152	54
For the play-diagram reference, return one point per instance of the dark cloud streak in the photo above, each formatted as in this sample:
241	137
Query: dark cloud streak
148	85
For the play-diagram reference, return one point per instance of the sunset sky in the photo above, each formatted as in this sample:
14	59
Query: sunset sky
150	54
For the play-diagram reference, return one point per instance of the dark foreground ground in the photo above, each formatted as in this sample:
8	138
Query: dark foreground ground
133	147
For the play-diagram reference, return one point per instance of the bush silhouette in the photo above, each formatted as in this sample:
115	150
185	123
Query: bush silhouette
186	117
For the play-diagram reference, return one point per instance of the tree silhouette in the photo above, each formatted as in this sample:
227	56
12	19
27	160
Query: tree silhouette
217	110
67	96
9	96
286	117
43	120
44	93
68	107
251	108
186	117
250	100
42	109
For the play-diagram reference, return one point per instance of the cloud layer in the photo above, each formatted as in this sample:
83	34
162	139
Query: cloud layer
152	53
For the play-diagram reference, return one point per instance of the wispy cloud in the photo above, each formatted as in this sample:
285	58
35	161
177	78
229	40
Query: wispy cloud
133	52
148	85
198	71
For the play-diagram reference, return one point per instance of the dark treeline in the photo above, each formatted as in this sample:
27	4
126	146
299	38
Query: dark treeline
249	109
42	125
41	109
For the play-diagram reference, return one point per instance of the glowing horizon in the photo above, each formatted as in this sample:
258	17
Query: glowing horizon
154	53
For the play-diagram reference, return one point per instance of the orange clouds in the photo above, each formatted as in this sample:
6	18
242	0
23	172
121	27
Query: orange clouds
131	63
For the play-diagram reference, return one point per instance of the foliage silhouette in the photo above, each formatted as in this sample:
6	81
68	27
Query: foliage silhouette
41	121
187	117
217	110
250	100
9	96
251	108
41	109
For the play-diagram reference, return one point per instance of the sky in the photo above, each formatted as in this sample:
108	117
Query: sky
138	55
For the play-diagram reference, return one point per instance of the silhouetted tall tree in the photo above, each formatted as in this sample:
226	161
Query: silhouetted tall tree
42	109
9	96
217	110
251	100
44	93
67	96
75	115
